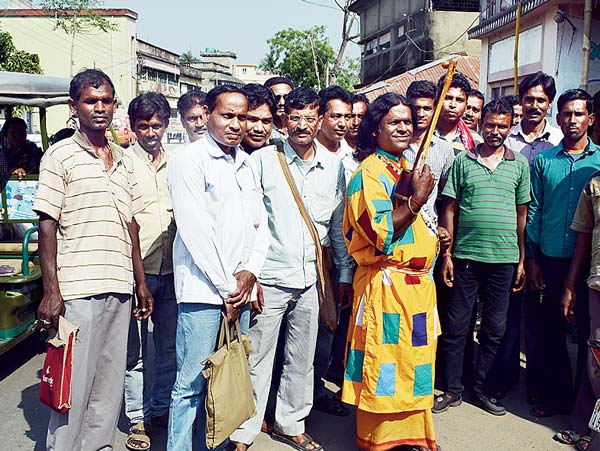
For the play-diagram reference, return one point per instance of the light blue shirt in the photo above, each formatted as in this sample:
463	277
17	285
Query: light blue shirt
291	259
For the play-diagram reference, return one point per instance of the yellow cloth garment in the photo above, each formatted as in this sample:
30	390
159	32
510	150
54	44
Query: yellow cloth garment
394	325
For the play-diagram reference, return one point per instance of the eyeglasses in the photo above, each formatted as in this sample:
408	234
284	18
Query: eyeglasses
296	118
280	97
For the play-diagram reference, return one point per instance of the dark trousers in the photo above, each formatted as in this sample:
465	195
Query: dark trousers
338	347
506	369
493	282
548	374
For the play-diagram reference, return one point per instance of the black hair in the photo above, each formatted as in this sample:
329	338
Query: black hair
539	78
477	94
63	133
597	103
300	98
146	105
258	95
11	122
459	80
360	98
332	93
277	81
89	77
576	94
366	141
512	100
190	99
214	93
498	106
421	89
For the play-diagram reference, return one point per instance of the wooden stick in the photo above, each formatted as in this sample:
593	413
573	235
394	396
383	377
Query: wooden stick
424	149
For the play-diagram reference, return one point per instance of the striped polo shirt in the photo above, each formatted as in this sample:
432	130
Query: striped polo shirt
93	208
487	206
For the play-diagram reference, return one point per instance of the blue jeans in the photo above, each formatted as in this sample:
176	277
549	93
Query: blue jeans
197	333
142	401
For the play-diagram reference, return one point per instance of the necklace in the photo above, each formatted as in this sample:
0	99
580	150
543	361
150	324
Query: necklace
427	214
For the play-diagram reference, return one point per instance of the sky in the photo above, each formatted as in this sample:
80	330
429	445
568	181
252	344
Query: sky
235	25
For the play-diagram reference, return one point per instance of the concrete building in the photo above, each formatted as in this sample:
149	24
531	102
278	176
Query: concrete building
217	69
397	36
62	55
250	73
550	40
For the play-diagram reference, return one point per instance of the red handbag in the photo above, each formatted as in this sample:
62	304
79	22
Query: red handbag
55	387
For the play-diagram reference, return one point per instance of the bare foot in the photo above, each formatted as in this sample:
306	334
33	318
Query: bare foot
238	446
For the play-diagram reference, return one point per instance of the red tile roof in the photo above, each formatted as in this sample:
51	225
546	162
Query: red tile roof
468	65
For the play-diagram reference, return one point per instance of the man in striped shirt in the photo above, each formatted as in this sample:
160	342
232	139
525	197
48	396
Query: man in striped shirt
90	255
488	191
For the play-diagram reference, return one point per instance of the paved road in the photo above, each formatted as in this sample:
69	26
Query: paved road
23	419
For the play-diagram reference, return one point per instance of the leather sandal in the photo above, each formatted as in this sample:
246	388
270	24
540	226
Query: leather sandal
137	438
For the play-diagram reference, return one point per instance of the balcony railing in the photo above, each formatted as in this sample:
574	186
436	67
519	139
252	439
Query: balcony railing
498	14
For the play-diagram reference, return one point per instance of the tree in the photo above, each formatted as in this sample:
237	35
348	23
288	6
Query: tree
14	60
187	59
348	35
305	57
76	17
348	74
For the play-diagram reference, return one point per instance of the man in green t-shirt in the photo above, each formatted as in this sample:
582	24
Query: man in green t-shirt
487	195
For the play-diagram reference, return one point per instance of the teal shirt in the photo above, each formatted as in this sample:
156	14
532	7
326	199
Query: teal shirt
487	206
557	180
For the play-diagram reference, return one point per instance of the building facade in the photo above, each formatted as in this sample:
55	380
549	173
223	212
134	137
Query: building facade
550	40
397	36
62	55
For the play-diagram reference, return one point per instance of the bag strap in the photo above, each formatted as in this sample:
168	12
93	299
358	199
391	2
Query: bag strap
303	212
224	334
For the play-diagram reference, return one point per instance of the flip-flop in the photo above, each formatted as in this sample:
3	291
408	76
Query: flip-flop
567	437
583	443
299	446
137	433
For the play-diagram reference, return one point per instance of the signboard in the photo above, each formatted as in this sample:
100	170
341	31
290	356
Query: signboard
17	199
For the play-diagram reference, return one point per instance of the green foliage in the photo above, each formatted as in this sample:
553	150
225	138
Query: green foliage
77	16
293	54
349	74
187	59
14	60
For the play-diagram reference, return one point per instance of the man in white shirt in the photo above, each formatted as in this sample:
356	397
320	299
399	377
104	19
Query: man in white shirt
534	133
219	250
335	109
289	276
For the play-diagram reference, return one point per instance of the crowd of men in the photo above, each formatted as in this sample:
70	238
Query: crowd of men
211	230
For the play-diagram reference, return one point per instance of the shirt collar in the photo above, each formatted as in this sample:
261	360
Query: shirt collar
509	155
216	152
546	133
141	153
117	151
387	155
589	149
291	154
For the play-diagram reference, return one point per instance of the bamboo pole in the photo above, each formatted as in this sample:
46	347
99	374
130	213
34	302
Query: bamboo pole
587	29
516	53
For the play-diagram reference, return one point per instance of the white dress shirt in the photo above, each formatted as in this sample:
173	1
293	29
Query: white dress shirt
221	220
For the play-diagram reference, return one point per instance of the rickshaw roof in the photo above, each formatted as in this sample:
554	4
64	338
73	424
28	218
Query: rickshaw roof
17	89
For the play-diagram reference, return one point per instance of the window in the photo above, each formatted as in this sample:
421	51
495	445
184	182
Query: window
384	41
401	35
370	47
244	71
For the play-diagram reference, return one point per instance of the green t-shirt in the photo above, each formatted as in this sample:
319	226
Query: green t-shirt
487	206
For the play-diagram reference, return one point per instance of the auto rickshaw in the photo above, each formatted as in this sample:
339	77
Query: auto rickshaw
21	287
